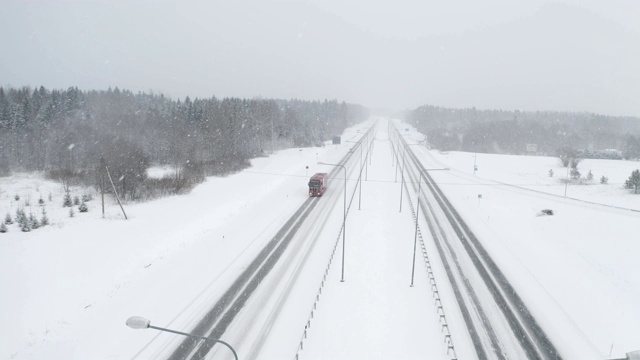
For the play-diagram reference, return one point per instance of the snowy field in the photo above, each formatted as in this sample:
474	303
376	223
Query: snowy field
70	286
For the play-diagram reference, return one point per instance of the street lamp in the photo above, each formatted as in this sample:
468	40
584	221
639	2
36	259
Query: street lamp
137	322
344	218
415	237
360	175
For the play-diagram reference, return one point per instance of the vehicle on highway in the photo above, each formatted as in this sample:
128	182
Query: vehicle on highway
318	184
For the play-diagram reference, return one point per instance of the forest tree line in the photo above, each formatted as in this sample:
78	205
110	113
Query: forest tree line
509	132
66	134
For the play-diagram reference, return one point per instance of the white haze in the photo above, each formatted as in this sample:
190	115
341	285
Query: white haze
533	55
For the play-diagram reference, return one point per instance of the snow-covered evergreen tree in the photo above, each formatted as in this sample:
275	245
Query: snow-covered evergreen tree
633	182
67	200
20	216
44	220
8	220
76	200
3	228
83	207
71	213
33	221
22	220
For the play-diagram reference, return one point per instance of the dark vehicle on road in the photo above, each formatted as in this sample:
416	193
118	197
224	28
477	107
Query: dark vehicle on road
317	184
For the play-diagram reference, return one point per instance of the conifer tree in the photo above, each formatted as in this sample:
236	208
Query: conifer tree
8	220
25	226
67	201
33	221
20	216
589	175
44	221
83	207
3	228
633	182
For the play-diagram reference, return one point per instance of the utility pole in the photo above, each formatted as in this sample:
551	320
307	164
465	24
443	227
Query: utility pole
102	167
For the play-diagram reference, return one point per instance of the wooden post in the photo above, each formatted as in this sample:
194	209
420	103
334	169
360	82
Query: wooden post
102	167
116	192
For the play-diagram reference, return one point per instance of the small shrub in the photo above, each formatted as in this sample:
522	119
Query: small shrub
17	197
41	201
604	180
575	174
589	176
71	213
545	212
83	207
76	200
3	228
8	220
550	172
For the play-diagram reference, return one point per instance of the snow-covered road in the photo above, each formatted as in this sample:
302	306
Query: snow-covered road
73	284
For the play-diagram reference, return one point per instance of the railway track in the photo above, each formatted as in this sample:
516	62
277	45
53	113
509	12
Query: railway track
499	322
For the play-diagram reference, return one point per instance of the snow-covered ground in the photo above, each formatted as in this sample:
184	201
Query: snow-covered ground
70	286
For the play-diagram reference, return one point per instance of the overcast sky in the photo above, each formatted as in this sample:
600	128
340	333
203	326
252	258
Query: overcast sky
527	55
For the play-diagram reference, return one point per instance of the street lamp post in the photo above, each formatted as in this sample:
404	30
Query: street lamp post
415	237
137	322
344	217
402	177
359	176
397	155
404	156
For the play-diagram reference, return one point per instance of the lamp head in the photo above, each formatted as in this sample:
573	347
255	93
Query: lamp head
137	322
